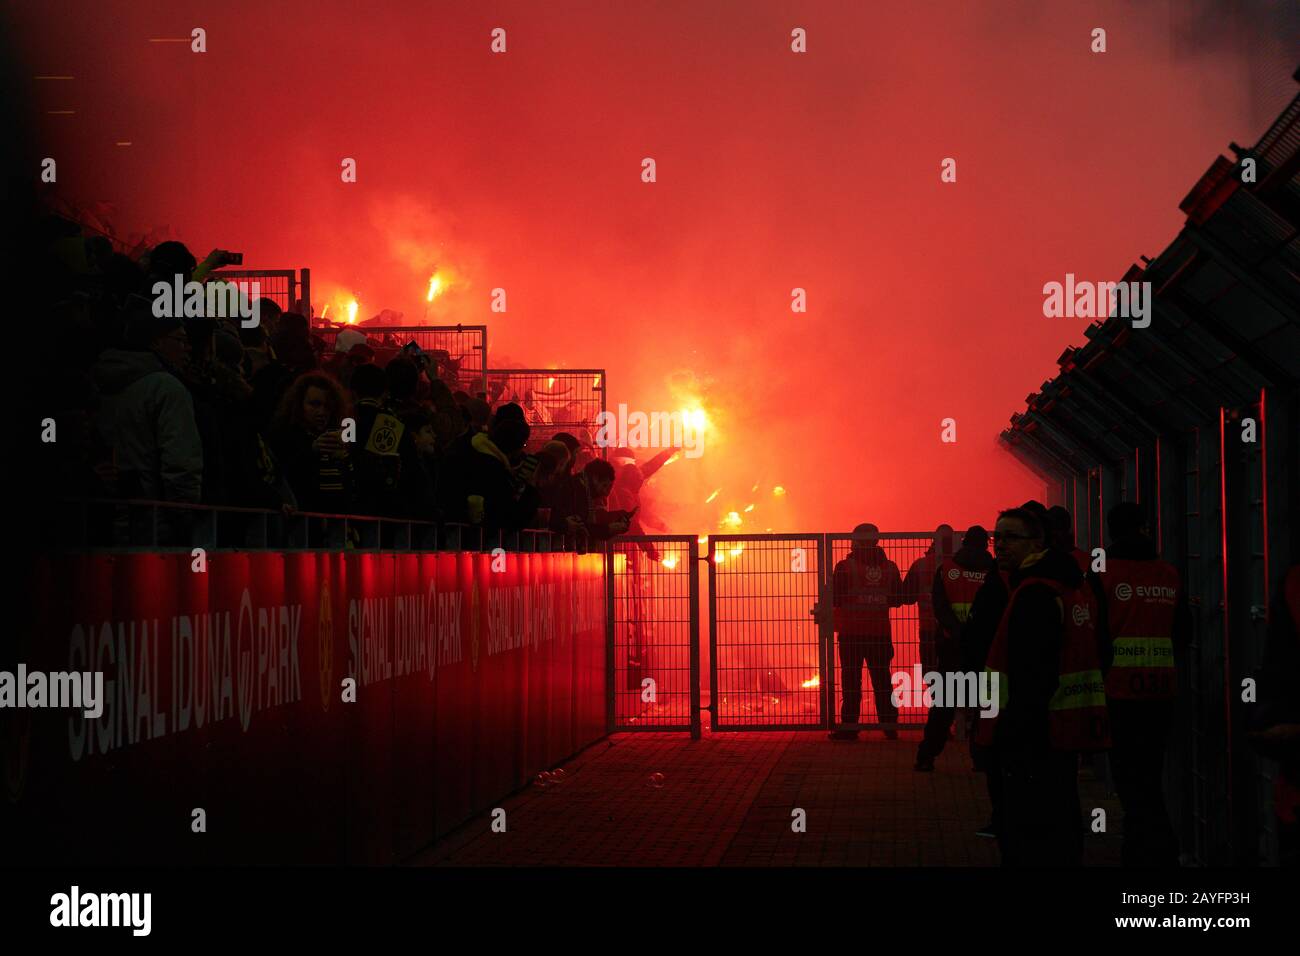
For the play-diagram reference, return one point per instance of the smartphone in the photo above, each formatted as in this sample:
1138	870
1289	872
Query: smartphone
234	258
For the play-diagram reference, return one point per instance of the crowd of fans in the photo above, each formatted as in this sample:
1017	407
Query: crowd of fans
205	411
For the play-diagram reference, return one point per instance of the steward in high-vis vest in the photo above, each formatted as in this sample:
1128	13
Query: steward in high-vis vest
1051	698
1147	619
866	585
956	582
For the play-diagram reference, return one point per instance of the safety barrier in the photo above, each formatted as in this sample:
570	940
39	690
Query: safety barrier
653	589
459	352
774	657
125	524
554	400
226	699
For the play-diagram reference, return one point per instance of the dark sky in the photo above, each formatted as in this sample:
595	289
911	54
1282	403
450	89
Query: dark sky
775	170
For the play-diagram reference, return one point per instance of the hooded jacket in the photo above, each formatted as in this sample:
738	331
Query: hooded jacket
146	416
489	475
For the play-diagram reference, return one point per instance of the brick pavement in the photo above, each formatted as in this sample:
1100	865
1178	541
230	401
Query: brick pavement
727	800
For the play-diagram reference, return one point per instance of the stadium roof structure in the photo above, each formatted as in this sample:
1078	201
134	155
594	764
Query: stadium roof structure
1225	322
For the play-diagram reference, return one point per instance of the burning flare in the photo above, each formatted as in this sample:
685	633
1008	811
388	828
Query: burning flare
696	418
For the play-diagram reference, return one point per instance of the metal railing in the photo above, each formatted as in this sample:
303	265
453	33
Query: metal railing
459	350
287	288
130	524
554	400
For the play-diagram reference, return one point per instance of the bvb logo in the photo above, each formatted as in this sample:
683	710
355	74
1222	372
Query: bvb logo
953	574
384	439
325	645
873	574
1123	591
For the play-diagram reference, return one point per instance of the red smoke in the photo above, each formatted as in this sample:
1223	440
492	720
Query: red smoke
775	171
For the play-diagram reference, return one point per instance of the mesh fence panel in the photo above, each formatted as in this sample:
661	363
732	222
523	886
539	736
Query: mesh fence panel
554	400
278	285
459	351
654	589
903	549
765	648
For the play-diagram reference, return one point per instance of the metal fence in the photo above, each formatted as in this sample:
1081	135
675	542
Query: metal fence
459	352
553	400
288	288
653	663
767	653
774	660
904	549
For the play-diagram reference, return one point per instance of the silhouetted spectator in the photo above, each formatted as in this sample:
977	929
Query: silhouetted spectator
490	497
146	414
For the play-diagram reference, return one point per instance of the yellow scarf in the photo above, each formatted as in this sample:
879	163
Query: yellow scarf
481	443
